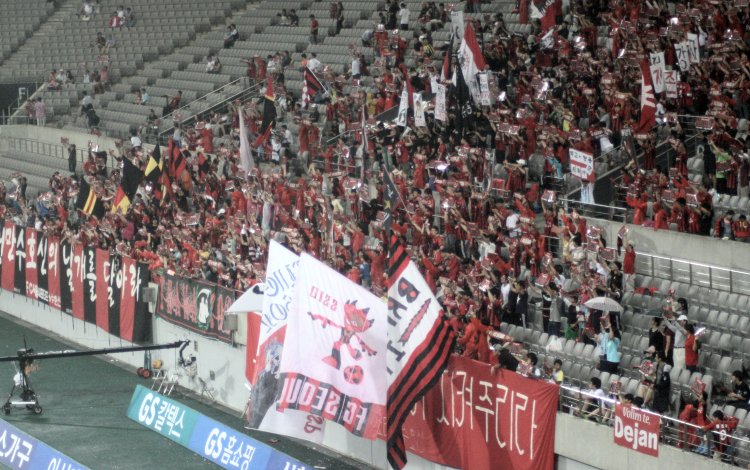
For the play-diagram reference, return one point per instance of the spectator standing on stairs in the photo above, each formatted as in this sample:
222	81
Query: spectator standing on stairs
628	267
403	17
314	64
72	154
680	335
314	26
40	112
340	17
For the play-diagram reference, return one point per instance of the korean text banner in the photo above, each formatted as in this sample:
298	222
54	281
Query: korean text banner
222	445
195	305
84	282
581	164
637	429
333	364
20	451
474	419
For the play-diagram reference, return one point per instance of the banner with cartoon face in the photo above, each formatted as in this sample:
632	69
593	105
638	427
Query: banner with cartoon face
195	305
333	363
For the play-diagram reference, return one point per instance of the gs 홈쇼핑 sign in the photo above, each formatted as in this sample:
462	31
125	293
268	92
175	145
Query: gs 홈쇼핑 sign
222	445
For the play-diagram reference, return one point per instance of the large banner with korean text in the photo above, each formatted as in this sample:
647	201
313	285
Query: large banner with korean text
195	305
479	420
333	363
86	282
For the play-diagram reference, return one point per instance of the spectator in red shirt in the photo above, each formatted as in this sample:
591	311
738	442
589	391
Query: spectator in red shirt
314	25
722	427
692	346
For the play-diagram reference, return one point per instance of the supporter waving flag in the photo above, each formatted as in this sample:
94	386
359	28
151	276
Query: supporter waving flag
177	163
88	202
155	166
269	115
420	342
471	60
131	179
311	86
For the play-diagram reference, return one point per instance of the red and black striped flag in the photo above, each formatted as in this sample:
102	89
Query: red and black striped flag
88	202
311	86
269	115
420	343
177	162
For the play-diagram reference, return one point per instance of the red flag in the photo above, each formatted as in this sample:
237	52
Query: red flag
407	81
648	101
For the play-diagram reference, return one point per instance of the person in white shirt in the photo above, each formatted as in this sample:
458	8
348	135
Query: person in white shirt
403	17
356	67
511	223
135	141
314	64
87	100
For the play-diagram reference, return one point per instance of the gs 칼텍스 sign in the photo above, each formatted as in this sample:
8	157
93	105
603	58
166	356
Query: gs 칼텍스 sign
222	445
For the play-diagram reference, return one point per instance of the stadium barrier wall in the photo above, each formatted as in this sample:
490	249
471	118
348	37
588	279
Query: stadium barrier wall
583	442
670	244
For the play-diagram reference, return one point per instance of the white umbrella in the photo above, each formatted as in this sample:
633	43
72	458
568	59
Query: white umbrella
605	304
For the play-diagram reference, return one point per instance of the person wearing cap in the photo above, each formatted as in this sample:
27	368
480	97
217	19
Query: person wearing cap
680	335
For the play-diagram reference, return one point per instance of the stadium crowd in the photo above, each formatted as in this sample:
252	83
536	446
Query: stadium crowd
474	193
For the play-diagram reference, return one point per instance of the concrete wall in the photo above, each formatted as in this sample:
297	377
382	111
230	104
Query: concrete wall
707	250
592	444
226	361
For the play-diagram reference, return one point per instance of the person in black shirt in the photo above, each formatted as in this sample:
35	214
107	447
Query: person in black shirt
655	336
741	394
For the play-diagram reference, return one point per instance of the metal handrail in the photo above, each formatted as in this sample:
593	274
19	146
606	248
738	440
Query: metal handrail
56	150
694	273
17	106
162	135
575	396
615	213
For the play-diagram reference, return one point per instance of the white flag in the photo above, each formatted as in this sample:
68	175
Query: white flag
440	108
419	119
484	90
693	48
403	108
656	63
246	155
281	275
682	49
333	365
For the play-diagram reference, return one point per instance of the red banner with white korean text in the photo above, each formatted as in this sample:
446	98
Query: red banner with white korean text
476	420
53	272
101	282
8	251
637	429
76	290
32	283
